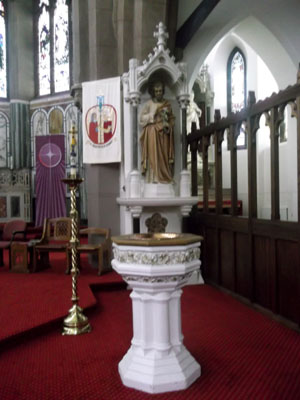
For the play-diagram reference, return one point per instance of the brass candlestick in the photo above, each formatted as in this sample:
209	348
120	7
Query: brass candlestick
76	322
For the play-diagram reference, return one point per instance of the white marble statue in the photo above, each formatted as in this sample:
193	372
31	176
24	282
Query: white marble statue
193	113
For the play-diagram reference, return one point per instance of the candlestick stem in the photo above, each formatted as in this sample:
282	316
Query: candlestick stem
76	322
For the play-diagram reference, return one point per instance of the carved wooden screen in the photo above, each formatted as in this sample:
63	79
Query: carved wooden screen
254	257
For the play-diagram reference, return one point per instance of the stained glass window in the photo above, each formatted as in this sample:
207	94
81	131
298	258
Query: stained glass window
53	46
44	48
236	88
4	141
3	71
61	46
237	82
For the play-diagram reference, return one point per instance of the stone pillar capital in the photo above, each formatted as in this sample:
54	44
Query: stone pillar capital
183	100
136	211
134	99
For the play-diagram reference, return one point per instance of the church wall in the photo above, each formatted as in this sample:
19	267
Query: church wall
102	43
270	49
81	57
108	33
15	184
228	14
217	63
123	19
117	31
95	57
129	22
252	38
147	16
268	46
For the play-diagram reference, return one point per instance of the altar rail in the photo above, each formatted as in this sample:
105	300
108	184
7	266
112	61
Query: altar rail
257	259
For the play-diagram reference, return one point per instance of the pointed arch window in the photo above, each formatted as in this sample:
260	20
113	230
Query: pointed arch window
53	55
3	57
4	141
236	88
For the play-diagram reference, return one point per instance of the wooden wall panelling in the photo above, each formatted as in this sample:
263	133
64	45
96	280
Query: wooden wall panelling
276	229
243	266
288	265
273	277
210	257
262	256
236	224
297	114
227	259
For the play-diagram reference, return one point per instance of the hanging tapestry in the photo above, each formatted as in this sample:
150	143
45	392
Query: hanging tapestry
101	121
50	170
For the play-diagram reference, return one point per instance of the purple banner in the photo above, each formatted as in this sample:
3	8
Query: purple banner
50	170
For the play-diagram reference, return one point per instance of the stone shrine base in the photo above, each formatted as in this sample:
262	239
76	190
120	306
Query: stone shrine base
158	190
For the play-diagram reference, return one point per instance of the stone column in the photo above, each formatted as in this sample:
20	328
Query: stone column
185	176
20	55
134	100
20	50
80	36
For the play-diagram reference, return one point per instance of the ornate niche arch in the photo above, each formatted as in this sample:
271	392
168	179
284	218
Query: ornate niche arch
171	199
159	64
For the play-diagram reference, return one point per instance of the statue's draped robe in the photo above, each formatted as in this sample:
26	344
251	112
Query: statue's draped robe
157	141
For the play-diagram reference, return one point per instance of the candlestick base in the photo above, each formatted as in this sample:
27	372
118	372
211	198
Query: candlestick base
76	322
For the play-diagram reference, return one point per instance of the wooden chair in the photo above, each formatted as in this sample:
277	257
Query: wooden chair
55	238
99	244
14	230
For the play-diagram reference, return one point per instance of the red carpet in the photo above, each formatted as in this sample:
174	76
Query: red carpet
243	354
51	299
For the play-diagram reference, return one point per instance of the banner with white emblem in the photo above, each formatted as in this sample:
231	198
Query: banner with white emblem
101	111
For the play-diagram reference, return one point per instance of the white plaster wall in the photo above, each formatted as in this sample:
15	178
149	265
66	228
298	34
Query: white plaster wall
266	49
217	62
276	21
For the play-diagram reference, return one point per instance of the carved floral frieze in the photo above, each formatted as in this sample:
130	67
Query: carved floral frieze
157	258
16	178
157	279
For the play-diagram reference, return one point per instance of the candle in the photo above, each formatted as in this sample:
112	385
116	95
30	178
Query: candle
73	142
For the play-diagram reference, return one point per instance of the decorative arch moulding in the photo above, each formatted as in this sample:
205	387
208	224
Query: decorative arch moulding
159	64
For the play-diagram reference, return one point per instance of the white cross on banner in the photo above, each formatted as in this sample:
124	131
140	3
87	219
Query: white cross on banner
101	112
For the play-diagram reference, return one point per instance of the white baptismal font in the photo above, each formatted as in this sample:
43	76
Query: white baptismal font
156	266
